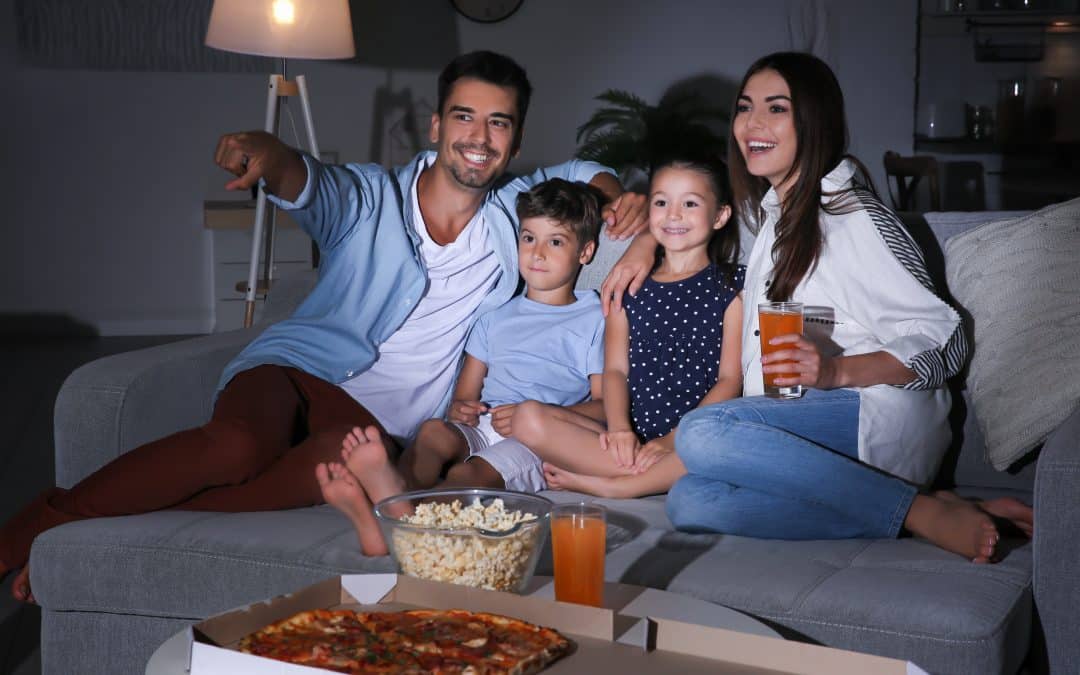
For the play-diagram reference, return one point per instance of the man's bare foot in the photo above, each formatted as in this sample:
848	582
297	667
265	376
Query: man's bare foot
366	456
955	525
1014	512
341	490
20	586
561	479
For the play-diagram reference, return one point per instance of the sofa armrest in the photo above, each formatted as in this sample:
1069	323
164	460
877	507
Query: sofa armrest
117	403
1056	544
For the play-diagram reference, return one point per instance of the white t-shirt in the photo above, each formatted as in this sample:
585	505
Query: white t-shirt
418	364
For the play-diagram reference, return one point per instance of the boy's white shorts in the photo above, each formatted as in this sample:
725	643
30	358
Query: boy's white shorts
519	466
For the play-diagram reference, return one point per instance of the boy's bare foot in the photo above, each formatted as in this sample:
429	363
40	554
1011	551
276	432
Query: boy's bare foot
561	479
20	586
341	490
367	458
955	525
1014	512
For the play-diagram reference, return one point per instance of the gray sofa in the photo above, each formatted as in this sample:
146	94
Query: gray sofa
112	590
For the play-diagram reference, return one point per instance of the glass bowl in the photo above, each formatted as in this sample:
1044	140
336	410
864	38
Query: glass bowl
498	557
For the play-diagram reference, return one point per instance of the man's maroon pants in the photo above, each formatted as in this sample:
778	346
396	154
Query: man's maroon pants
271	426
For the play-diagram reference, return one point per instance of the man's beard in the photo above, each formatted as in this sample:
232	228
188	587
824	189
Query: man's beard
471	178
474	178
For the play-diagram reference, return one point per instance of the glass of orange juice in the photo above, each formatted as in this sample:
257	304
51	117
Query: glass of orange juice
578	540
775	319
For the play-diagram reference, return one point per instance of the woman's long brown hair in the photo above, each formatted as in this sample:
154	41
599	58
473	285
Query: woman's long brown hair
821	133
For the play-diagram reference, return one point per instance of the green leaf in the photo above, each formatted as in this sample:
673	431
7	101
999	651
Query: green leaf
626	132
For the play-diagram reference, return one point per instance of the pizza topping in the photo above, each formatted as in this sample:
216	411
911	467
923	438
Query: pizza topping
449	642
476	642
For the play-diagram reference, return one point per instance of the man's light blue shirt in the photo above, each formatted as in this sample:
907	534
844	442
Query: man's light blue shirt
371	274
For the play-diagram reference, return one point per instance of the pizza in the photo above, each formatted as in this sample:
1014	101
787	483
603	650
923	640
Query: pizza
444	642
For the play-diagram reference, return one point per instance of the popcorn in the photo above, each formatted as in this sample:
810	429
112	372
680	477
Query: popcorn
497	563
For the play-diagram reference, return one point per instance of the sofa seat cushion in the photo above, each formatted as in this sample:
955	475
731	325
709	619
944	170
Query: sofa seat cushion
901	598
191	564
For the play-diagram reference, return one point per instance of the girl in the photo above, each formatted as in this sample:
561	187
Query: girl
845	459
672	347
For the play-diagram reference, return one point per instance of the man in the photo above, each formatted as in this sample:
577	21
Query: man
409	259
434	243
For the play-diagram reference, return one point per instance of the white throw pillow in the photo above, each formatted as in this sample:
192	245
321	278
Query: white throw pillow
1020	280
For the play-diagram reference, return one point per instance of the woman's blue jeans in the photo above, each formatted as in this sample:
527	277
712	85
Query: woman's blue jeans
783	469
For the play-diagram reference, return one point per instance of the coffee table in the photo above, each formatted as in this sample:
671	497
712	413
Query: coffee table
171	657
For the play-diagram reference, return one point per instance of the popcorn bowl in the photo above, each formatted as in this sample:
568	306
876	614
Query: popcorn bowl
441	536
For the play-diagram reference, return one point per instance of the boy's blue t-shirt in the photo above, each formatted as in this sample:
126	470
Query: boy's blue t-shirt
540	352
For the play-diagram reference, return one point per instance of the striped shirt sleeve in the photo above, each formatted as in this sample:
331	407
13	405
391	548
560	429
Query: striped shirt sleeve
933	366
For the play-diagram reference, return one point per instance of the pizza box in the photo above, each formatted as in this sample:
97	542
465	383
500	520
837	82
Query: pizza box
605	640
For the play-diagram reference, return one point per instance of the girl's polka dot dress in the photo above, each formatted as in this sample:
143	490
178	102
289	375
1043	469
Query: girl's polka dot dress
675	334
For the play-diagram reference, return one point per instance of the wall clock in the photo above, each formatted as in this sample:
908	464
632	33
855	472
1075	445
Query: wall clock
486	11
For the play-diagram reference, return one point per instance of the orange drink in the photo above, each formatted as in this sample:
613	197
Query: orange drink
775	319
578	540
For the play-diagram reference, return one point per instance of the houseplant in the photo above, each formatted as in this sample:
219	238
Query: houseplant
629	135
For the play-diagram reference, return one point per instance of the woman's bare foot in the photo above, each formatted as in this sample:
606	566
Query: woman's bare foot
1015	513
341	490
955	525
20	586
560	479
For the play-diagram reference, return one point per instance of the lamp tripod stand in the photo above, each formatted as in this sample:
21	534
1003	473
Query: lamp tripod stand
279	88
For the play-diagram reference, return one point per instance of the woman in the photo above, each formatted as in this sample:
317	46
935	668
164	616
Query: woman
845	459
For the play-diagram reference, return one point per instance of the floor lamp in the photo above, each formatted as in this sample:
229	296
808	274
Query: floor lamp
305	29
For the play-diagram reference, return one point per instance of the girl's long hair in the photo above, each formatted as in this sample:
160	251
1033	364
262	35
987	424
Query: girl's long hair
822	137
724	243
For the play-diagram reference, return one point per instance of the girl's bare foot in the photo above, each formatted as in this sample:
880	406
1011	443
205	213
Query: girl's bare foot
1016	513
560	479
365	453
341	490
955	525
20	586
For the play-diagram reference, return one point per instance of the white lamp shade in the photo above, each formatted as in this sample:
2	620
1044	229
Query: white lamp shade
301	29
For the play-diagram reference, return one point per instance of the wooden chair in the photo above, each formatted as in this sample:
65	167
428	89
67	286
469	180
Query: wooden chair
907	172
963	186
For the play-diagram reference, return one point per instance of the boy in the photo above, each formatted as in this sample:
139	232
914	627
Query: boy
542	348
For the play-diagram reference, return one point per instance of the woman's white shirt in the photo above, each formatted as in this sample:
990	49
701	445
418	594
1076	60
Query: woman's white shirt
861	298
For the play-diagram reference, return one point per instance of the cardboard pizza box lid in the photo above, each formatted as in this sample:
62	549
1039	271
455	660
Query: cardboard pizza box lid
605	640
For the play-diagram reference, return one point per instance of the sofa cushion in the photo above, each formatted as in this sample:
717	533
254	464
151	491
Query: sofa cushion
607	254
1020	282
965	461
902	598
184	564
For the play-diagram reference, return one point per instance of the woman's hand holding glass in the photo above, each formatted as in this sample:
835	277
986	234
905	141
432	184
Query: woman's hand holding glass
814	369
